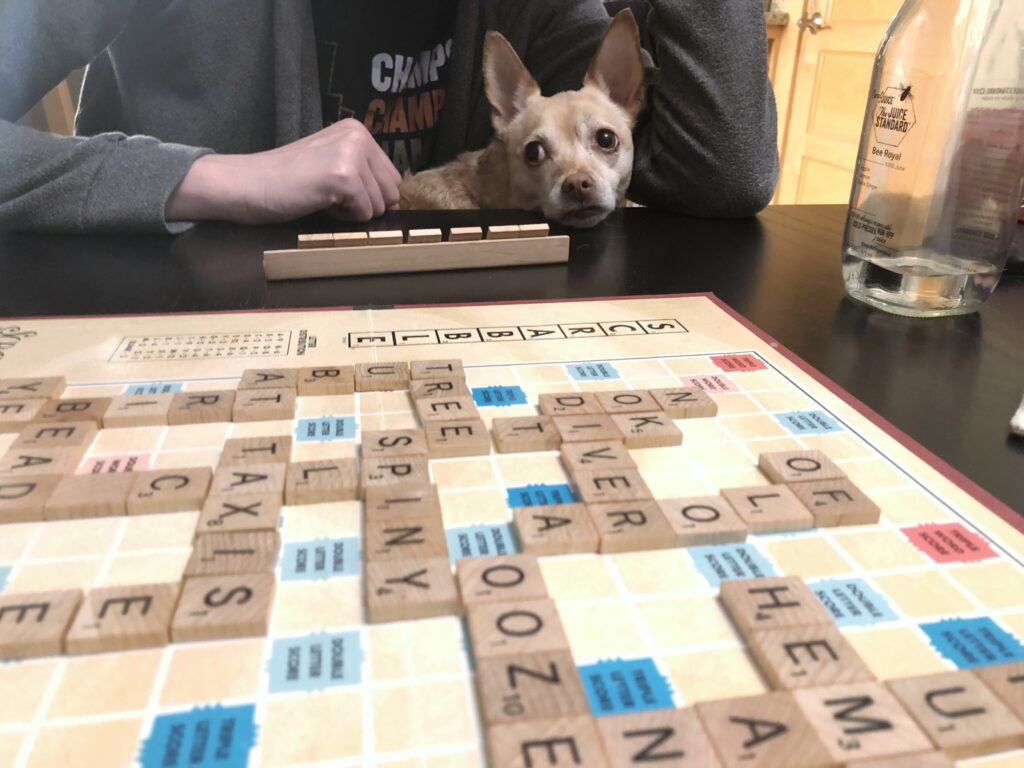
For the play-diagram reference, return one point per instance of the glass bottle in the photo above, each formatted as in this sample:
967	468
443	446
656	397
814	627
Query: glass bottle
938	181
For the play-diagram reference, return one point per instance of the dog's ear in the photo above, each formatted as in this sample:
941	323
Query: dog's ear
618	65
507	82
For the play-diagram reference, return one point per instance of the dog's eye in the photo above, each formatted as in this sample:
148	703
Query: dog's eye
606	139
533	153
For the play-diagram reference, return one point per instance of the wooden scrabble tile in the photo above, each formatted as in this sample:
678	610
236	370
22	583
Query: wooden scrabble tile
23	498
381	377
44	388
243	512
562	741
457	234
269	378
224	607
256	450
767	731
386	237
137	411
651	429
78	496
409	538
424	236
248	479
168	490
426	389
569	404
409	589
326	380
217	554
807	657
407	470
556	529
836	502
436	369
798	466
769	508
201	407
627	401
33	624
673	738
860	720
319	482
1007	682
264	405
685	402
920	760
457	408
597	486
78	434
597	455
515	628
770	603
316	240
450	439
394	442
503	232
399	500
40	461
122	618
703	521
534	230
628	526
516	689
349	239
525	434
501	579
15	415
597	427
959	713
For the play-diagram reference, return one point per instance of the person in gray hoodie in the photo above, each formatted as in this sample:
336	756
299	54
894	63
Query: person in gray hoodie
259	111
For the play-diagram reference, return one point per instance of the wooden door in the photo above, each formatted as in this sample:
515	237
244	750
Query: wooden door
829	93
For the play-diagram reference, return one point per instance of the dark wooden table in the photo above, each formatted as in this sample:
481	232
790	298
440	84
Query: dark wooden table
952	384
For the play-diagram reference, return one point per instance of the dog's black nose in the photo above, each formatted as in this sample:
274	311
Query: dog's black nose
578	186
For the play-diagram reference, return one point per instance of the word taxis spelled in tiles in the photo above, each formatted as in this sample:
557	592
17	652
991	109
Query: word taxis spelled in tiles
256	450
34	624
223	607
15	414
778	601
248	479
78	496
23	498
269	378
122	618
137	411
769	508
326	381
959	713
673	738
201	407
381	377
564	741
451	439
168	490
264	405
836	502
409	589
525	434
513	628
431	369
458	408
798	466
241	512
860	720
768	731
556	529
218	554
21	389
703	521
685	402
396	442
499	579
319	482
627	526
529	687
569	404
807	657
651	429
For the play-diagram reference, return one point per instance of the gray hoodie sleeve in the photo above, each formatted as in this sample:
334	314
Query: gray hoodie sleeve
707	144
74	184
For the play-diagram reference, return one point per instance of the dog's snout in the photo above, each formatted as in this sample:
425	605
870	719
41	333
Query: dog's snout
578	186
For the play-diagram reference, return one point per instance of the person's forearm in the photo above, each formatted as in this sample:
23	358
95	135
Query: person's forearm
213	189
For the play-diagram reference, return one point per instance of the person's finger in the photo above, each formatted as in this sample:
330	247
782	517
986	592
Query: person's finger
385	179
355	204
373	190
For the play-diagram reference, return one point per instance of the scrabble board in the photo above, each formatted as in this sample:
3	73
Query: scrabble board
646	631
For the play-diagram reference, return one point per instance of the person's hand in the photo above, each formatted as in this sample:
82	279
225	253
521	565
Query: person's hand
339	169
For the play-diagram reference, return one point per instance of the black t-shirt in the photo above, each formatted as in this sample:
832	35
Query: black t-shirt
385	63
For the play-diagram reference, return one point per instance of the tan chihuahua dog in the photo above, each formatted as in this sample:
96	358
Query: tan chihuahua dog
569	155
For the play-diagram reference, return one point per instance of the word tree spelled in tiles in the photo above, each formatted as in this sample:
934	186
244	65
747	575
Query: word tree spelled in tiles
567	549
